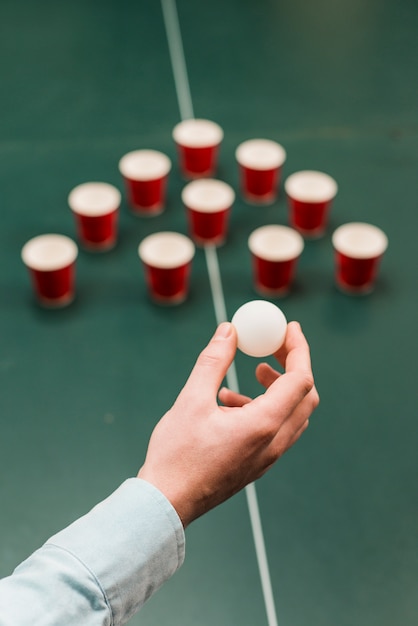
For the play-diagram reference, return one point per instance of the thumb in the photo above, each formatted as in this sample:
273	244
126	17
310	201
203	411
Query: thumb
213	363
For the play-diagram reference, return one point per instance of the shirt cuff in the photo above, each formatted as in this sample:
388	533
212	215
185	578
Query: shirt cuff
132	542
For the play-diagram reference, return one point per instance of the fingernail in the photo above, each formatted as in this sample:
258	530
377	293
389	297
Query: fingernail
223	331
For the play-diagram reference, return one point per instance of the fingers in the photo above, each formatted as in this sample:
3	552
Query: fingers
296	424
295	357
279	447
298	433
212	364
294	353
290	391
231	398
287	391
266	375
292	429
289	397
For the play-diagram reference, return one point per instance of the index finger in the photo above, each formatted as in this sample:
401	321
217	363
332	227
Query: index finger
294	354
285	394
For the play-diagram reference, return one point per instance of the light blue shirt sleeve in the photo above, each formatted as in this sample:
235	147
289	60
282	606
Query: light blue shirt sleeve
100	570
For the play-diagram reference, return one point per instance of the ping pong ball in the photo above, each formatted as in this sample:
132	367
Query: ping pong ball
261	328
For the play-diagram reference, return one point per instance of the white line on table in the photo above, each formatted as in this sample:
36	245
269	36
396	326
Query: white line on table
182	86
250	490
178	62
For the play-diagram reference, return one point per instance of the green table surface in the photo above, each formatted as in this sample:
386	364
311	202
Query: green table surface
335	83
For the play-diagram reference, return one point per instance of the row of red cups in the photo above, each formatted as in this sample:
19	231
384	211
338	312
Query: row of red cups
275	251
167	259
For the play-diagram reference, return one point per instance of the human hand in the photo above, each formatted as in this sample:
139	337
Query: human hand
200	453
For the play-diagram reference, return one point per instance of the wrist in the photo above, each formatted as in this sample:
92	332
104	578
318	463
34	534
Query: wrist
182	506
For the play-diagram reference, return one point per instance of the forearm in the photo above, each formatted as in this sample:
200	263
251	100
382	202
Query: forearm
101	569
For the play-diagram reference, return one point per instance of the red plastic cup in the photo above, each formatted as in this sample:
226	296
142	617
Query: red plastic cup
96	207
208	203
310	195
145	173
260	163
50	260
167	259
198	142
275	251
359	248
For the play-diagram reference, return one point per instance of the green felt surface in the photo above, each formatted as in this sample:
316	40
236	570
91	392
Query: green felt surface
81	388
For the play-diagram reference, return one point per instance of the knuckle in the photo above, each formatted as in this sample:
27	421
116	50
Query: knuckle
315	399
208	358
266	431
307	383
272	456
276	451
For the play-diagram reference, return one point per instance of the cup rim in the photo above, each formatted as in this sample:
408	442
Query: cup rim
49	252
208	195
144	165
311	186
360	240
260	154
275	242
155	248
197	133
94	199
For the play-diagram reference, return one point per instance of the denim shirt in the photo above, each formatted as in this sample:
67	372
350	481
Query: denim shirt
100	570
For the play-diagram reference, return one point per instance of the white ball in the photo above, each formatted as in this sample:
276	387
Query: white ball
261	328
